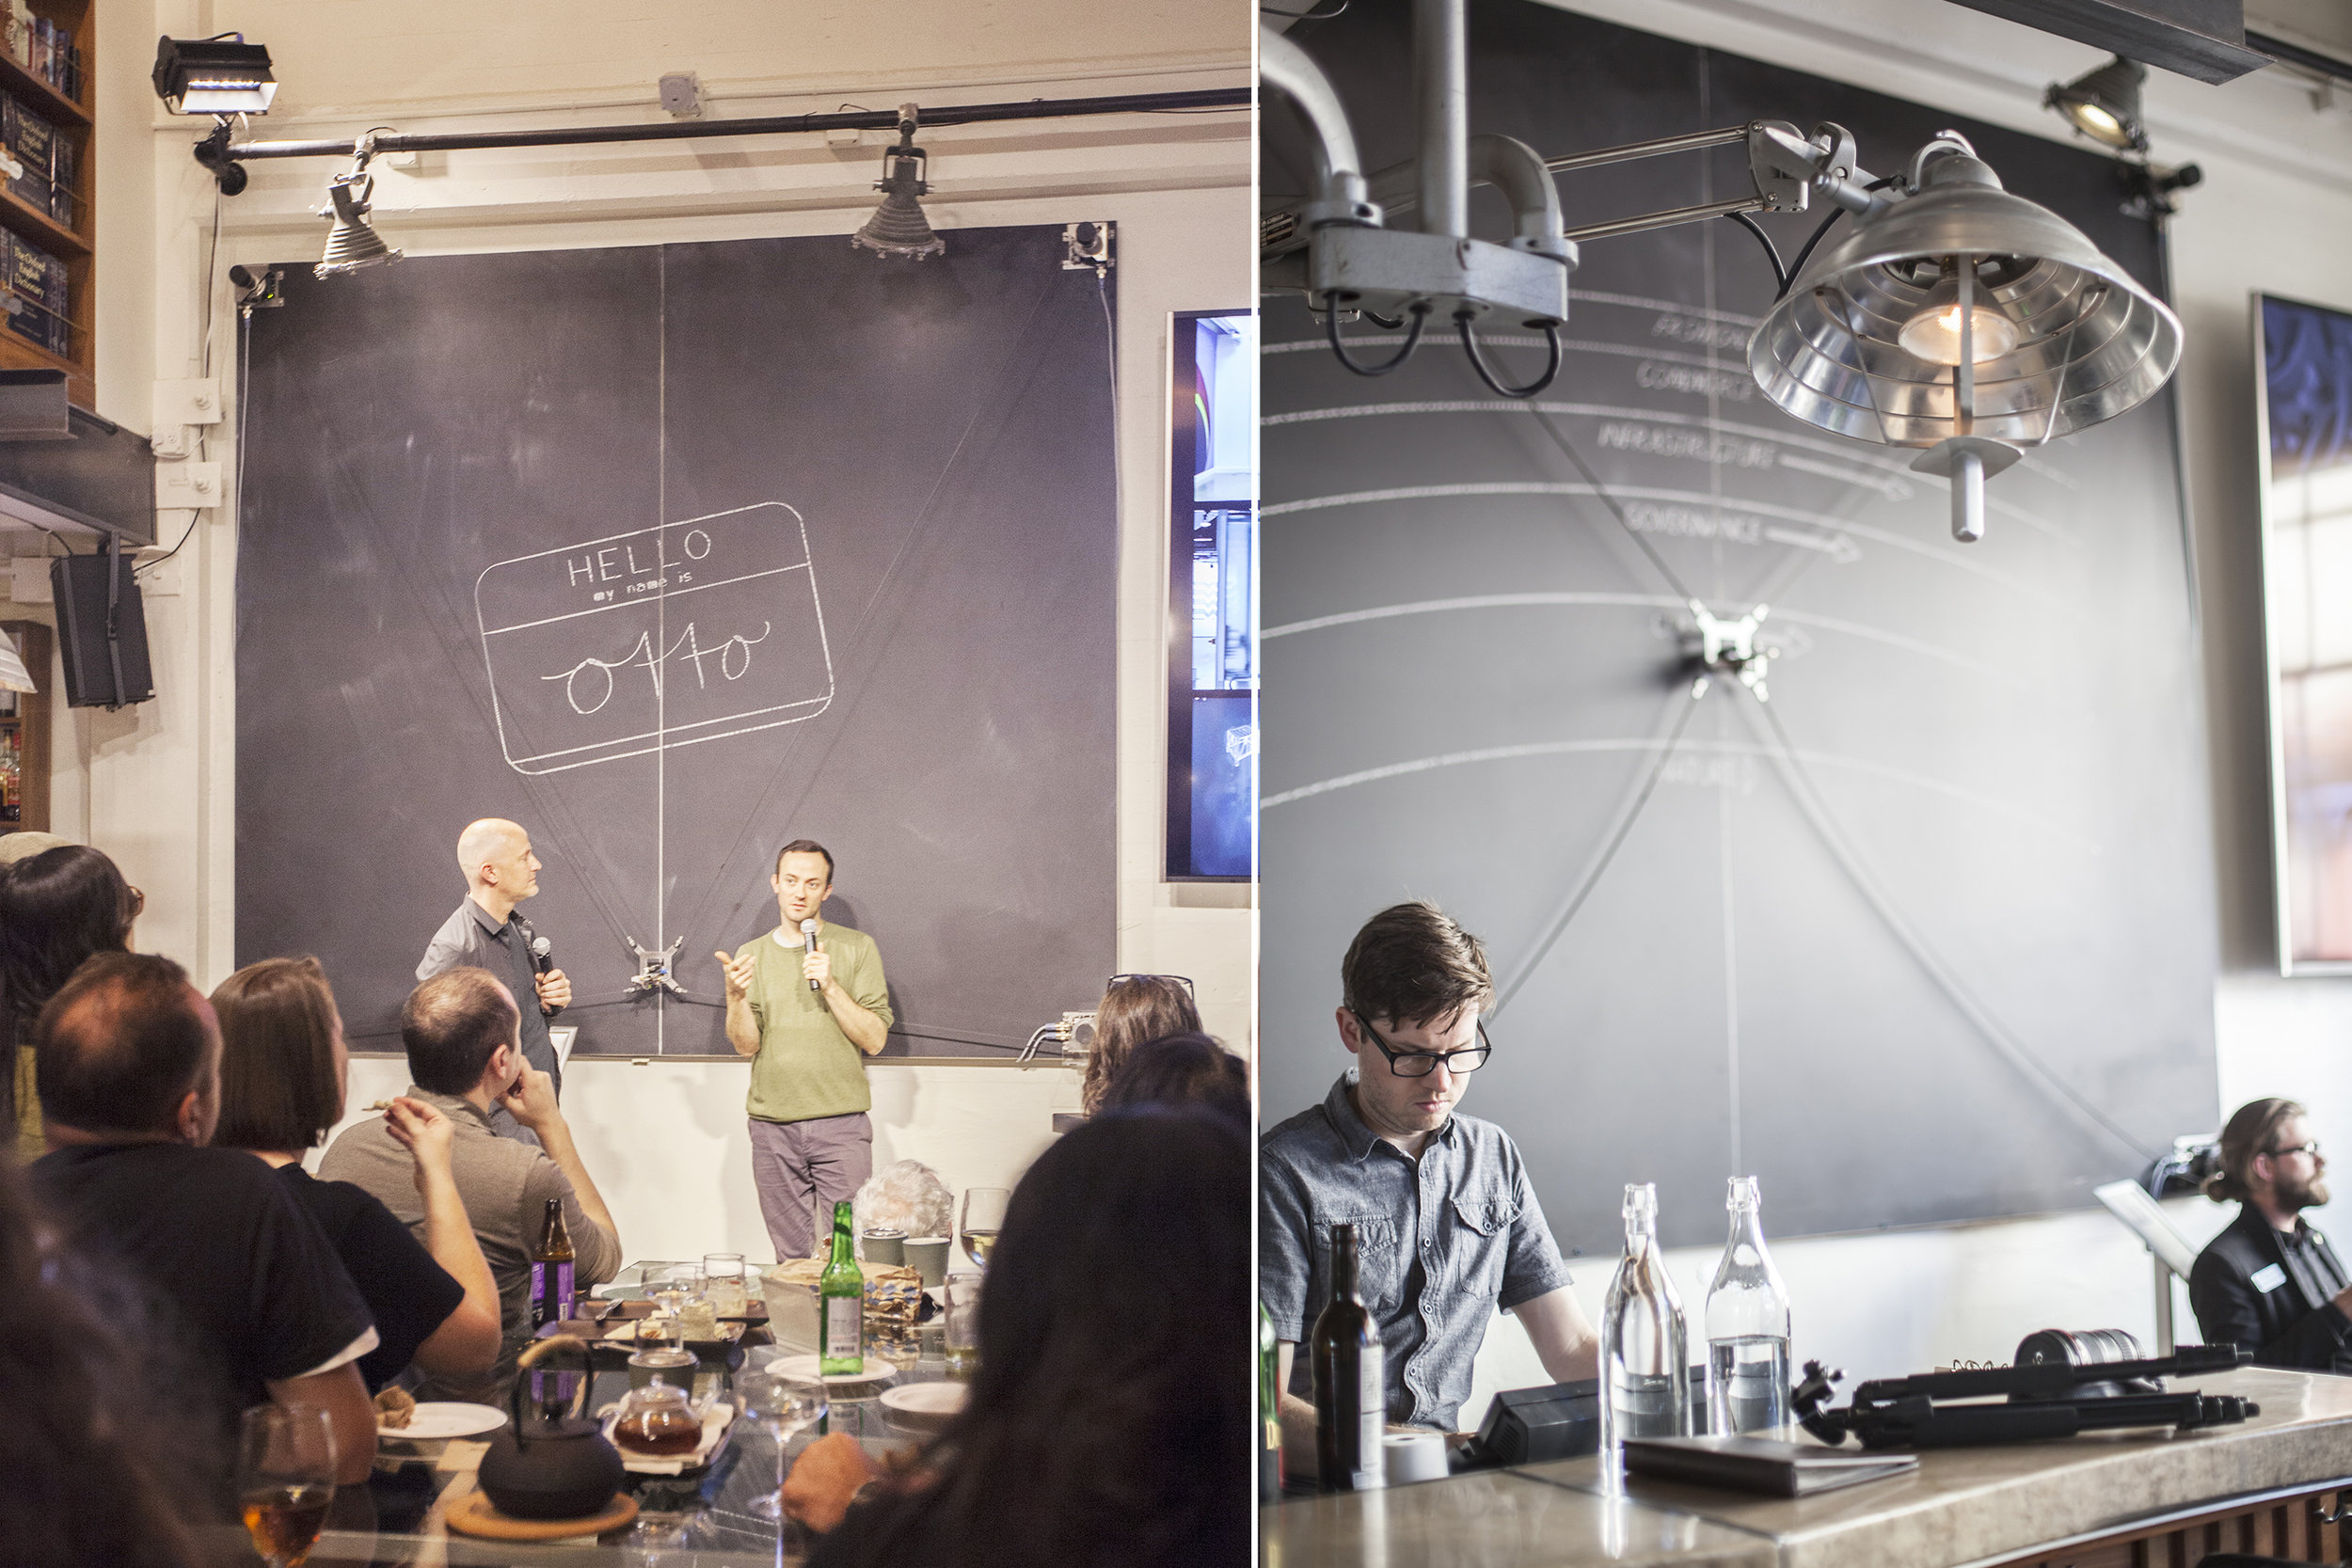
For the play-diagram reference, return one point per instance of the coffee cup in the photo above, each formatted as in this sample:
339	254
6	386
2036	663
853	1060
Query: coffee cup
886	1246
927	1257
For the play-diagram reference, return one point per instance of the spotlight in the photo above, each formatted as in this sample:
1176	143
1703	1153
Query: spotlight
1967	321
214	77
898	226
2103	104
351	243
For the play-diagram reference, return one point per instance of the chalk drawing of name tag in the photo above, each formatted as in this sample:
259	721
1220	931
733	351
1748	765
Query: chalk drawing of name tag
2268	1279
631	644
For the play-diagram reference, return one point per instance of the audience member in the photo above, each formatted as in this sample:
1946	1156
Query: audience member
56	908
2270	1283
1135	1008
284	1073
1118	1286
461	1028
129	1058
1181	1069
97	1473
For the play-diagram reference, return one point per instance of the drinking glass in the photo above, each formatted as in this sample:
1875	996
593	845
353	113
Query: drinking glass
964	1325
285	1479
669	1290
983	1216
783	1406
725	1283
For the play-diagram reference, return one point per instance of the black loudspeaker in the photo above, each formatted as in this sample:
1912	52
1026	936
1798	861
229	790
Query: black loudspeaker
103	643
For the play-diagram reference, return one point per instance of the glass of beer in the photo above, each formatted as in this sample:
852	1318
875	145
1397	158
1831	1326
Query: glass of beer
285	1479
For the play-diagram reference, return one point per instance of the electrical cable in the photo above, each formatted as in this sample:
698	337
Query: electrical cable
1815	809
1583	889
1312	13
1772	251
1805	254
211	258
1412	339
1486	374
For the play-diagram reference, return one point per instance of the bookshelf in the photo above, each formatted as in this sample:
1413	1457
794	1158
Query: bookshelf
69	241
24	736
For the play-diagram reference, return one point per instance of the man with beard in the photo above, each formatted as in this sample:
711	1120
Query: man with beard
2270	1283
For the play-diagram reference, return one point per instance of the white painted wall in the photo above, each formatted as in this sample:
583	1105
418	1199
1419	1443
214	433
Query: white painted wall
156	786
2275	214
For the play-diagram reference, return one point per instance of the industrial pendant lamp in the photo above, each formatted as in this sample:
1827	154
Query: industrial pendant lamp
2103	104
898	226
351	243
1966	321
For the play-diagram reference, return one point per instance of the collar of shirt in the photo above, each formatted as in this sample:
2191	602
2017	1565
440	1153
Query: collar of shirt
464	1112
495	929
1359	1139
795	946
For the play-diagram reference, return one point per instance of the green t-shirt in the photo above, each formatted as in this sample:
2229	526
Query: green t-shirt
807	1067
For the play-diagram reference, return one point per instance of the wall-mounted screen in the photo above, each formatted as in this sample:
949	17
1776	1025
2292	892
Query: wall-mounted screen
2305	396
1213	593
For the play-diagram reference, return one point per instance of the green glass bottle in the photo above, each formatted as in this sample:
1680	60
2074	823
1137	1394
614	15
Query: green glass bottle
841	1304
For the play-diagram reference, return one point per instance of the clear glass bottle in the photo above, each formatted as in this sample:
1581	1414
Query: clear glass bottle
1747	1326
1645	1343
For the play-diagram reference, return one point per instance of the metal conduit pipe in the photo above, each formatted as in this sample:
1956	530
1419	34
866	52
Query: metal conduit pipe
1441	108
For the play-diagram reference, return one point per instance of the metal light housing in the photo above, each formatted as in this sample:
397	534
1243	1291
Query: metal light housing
2091	342
2103	104
898	226
214	77
352	244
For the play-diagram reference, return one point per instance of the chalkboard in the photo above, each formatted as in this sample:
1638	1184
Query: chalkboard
1930	935
672	554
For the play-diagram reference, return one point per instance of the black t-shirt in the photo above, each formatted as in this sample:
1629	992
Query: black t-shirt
408	1293
246	1280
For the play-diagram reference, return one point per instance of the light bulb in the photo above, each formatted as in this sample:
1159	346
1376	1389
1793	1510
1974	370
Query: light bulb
2099	123
1933	334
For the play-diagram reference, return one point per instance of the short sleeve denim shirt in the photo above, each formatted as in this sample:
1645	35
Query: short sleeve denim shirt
1444	1241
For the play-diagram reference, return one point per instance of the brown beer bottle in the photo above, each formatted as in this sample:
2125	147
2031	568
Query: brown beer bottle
551	1270
1350	1377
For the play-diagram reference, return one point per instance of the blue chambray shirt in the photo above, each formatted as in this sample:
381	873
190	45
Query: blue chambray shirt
1444	1242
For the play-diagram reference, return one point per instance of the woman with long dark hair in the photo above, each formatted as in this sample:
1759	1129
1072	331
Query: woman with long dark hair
1108	1425
1135	1008
56	909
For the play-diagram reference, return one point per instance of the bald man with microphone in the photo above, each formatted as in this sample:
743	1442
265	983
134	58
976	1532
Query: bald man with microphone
484	932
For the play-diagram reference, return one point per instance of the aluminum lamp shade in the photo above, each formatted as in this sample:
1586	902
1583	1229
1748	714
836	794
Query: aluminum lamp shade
351	243
2089	342
898	226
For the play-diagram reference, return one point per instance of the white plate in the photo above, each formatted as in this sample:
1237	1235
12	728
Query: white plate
877	1370
444	1420
924	1404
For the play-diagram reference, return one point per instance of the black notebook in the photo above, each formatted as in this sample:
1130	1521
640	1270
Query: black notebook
1760	1464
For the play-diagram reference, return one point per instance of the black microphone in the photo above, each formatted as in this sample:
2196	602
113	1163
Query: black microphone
542	954
808	930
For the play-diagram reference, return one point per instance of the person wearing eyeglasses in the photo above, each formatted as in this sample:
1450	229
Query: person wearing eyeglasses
2270	1283
1447	1226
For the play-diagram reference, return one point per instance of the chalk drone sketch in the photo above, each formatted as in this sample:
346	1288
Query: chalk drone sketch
637	642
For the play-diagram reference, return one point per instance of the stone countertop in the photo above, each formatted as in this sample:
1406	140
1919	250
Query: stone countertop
1961	1506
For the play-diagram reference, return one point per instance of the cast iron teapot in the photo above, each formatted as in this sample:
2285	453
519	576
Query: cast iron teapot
561	1467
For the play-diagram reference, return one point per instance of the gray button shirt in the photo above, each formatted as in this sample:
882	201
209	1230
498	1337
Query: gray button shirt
470	938
1444	1241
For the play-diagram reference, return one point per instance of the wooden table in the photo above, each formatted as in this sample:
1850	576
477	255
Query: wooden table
2103	1501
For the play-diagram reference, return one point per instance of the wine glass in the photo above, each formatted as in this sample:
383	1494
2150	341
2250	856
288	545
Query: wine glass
670	1289
784	1406
983	1216
285	1479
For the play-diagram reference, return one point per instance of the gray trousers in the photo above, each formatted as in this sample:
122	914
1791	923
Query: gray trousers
802	1169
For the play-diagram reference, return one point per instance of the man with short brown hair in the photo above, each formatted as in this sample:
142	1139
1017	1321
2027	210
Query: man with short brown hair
128	1058
808	1012
1447	1226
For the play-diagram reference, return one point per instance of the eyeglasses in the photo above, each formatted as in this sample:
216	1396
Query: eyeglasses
1421	1064
1184	980
2311	1148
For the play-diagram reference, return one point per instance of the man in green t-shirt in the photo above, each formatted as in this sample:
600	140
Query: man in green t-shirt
808	1013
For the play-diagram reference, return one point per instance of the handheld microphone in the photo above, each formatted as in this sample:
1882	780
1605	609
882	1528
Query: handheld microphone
542	954
808	931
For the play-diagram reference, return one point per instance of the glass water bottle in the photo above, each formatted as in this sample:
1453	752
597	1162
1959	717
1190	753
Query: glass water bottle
1645	1345
1747	1326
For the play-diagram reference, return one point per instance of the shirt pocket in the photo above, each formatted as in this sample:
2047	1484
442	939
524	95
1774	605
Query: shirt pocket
1480	1247
1379	1261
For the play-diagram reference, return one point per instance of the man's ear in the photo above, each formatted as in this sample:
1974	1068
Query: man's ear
188	1118
1348	1032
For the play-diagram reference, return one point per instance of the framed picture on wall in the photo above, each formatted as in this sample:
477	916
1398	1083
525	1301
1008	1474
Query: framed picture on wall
2303	396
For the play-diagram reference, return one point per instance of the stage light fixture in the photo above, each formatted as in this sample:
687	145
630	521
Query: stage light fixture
898	226
351	243
221	75
1955	317
2103	104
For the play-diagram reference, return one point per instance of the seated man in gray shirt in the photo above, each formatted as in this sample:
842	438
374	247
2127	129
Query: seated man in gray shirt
460	1031
1448	1229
